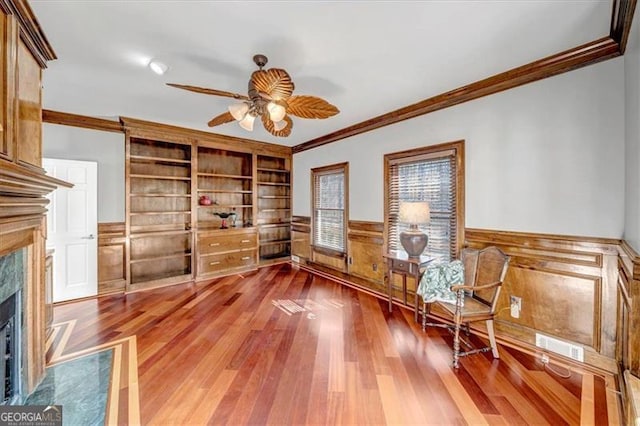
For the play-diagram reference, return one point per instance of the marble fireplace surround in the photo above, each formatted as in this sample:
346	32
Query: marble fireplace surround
12	278
29	247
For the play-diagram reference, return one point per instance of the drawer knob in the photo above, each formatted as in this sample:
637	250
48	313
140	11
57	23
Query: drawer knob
246	258
214	263
214	244
245	241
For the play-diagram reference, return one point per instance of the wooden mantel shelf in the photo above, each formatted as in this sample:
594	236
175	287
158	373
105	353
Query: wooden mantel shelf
22	195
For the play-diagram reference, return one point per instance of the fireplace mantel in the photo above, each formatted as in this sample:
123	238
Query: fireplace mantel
22	199
24	52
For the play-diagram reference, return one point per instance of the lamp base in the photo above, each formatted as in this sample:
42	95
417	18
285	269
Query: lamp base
414	242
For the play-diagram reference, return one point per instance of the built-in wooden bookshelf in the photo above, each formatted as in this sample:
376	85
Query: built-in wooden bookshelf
274	207
226	179
159	211
180	182
225	186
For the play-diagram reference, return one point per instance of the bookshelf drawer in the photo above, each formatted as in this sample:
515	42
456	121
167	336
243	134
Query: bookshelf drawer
222	243
220	262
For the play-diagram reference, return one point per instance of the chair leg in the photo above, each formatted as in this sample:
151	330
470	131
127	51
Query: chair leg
424	316
457	319
456	343
492	339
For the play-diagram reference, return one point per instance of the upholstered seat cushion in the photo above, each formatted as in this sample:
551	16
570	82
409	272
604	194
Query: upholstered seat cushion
472	307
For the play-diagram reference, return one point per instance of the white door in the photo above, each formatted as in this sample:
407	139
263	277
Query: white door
72	229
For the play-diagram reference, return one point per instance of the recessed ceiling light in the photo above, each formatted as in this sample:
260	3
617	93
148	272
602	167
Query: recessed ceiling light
158	67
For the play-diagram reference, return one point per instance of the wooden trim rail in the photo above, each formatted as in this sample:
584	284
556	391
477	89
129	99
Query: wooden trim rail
76	120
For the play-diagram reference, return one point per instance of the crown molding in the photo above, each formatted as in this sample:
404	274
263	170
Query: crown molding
621	19
596	51
581	56
30	30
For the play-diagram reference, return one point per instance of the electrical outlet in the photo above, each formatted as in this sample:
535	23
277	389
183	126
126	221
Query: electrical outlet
516	306
375	267
544	359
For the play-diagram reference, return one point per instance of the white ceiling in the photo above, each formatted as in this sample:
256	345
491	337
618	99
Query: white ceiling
365	57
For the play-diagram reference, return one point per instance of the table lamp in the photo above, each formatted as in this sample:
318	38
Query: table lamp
414	213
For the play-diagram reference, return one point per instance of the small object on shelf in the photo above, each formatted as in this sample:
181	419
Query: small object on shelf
205	200
224	217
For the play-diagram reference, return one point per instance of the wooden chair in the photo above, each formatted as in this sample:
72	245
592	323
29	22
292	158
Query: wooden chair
476	298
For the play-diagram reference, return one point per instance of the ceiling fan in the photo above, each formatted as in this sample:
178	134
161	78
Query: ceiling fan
270	98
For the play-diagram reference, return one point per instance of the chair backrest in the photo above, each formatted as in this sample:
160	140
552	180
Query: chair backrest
482	267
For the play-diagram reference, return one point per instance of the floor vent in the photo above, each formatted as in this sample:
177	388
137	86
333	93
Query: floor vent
560	347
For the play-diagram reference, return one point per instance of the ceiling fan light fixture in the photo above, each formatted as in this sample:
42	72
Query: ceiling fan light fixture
247	122
276	111
158	67
239	110
279	125
270	97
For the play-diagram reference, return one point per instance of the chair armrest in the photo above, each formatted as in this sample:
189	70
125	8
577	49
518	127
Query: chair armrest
474	288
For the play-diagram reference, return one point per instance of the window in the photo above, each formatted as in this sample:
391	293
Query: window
329	207
436	175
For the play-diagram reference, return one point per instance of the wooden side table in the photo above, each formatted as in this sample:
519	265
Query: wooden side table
400	263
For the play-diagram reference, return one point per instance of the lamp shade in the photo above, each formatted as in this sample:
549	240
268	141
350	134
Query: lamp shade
247	122
414	212
239	110
276	111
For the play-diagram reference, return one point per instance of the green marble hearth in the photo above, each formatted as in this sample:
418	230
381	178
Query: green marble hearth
80	385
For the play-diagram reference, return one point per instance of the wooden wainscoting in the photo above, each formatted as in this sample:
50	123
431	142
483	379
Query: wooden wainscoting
568	290
301	238
365	252
301	246
365	265
329	259
628	337
628	351
112	250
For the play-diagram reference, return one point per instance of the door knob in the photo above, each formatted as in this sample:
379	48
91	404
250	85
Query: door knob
89	237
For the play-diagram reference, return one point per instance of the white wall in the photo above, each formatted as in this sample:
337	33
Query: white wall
106	148
546	157
632	135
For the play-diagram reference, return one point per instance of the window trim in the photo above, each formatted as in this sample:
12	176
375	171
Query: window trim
332	168
455	148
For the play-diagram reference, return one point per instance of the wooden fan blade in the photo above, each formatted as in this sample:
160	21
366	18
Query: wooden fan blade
206	91
275	82
268	124
310	107
223	118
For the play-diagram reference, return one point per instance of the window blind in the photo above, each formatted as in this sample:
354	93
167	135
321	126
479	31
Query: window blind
329	210
430	178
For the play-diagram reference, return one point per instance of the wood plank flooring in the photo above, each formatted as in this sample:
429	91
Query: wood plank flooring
283	346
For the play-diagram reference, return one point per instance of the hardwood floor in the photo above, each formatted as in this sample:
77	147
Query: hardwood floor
283	346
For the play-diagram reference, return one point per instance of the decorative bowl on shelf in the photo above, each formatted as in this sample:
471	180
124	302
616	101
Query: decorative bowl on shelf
205	200
224	216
